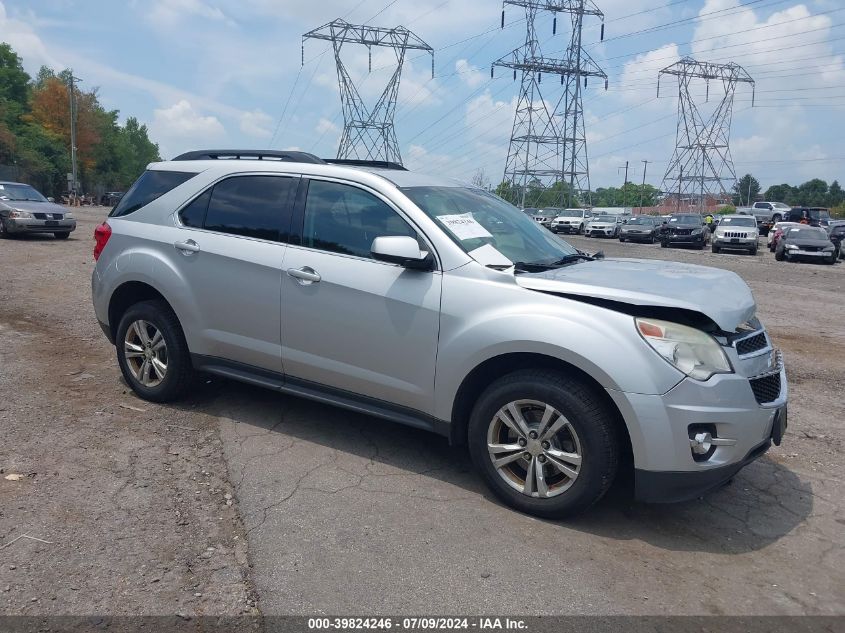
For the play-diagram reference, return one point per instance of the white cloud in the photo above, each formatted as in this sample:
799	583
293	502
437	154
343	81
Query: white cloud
755	49
181	127
470	74
257	124
325	125
25	41
170	13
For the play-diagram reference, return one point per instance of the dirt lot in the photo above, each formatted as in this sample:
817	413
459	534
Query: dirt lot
239	500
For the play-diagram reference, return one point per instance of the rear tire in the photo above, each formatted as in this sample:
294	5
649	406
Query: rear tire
4	233
586	443
62	236
714	248
779	256
621	239
178	371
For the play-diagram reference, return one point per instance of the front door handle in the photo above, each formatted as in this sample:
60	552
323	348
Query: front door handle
305	275
187	247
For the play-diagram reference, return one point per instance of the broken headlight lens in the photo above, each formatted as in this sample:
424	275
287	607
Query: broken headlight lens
695	353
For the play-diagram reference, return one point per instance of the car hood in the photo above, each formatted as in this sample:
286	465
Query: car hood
718	294
34	207
806	242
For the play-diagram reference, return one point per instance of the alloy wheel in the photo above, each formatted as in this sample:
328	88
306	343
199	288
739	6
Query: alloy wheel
534	448
146	353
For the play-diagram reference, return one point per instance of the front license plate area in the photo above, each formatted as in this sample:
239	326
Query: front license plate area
51	223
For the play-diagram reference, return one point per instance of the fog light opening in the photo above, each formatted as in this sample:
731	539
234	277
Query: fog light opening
703	441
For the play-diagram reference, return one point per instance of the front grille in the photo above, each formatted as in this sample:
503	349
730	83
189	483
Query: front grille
736	234
40	216
811	249
682	232
58	216
766	388
751	344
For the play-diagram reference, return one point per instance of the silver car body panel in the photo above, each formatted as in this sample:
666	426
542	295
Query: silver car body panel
409	338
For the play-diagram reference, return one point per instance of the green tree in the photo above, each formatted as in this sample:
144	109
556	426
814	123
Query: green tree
835	195
745	191
780	193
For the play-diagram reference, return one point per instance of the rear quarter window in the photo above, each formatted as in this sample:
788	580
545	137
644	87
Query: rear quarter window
150	186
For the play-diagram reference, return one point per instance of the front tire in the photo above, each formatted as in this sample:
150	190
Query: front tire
4	232
152	352
714	248
546	444
62	236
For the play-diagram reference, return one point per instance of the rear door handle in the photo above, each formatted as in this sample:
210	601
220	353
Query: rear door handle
188	246
305	275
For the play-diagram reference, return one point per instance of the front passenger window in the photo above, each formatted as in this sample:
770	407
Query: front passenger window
344	219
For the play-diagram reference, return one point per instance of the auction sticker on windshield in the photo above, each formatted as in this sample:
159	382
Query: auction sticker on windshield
464	226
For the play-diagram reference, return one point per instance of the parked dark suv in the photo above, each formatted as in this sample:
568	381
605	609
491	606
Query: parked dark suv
814	216
685	228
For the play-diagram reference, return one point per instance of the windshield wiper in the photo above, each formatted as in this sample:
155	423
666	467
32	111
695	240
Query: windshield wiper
537	267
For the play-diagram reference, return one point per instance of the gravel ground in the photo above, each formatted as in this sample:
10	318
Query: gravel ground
239	500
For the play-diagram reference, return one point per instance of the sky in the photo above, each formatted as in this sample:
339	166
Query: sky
215	73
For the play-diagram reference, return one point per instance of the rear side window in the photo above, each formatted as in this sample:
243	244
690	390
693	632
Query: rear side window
193	214
150	186
252	206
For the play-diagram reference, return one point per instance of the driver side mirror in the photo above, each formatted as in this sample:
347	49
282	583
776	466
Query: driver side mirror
402	250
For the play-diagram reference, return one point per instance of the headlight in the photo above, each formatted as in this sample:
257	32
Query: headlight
26	215
829	249
792	247
691	351
69	216
696	231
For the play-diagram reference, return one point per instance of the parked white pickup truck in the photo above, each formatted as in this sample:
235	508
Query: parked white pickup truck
767	213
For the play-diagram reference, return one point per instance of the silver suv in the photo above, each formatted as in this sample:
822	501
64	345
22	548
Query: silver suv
439	306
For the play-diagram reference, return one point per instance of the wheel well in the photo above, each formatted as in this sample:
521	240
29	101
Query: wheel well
125	297
488	371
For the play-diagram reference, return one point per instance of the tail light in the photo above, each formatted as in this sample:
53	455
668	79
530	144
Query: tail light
101	237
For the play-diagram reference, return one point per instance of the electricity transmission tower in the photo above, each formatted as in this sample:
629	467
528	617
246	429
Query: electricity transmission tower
701	165
548	146
368	134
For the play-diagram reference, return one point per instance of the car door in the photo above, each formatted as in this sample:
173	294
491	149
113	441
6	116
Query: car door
230	245
349	322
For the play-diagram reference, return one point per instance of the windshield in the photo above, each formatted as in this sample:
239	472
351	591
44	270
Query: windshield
548	213
640	221
604	218
819	214
474	218
686	219
571	213
780	205
739	221
807	233
20	193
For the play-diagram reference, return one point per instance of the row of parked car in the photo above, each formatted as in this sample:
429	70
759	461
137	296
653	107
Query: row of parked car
730	232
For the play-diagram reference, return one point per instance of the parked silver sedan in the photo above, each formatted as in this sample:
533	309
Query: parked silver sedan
24	210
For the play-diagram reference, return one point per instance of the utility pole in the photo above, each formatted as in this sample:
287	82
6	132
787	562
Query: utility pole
642	189
73	168
368	134
548	144
624	182
702	148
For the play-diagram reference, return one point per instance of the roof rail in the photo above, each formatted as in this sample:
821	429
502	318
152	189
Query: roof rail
250	154
355	162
